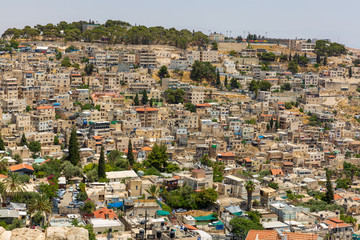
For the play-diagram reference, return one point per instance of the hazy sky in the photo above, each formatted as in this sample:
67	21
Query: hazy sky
336	20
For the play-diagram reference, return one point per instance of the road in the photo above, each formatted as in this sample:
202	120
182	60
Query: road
67	199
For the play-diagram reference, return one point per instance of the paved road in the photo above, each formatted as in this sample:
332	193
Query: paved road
67	199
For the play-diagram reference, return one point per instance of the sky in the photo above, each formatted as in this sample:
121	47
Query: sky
319	19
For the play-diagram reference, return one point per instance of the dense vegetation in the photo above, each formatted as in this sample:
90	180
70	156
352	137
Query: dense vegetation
325	48
112	32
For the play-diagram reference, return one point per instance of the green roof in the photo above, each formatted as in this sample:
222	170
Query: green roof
238	213
205	218
219	223
162	213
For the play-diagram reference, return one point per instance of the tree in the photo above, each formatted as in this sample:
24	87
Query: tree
203	71
145	98
350	170
88	207
288	105
101	167
174	96
318	59
56	140
234	83
130	155
350	72
226	81
34	146
74	148
23	140
214	46
71	170
41	203
163	72
205	198
250	187
17	158
286	87
58	55
153	191
13	184
136	100
114	155
89	69
325	60
293	67
273	185
218	82
190	107
2	144
158	157
241	226
329	194
66	62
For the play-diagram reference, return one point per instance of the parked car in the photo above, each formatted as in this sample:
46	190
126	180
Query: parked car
180	210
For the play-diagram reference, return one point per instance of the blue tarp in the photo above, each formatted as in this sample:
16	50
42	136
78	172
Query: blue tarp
115	205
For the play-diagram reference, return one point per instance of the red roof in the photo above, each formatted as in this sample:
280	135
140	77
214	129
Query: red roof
146	109
276	172
97	137
147	148
190	227
337	196
44	107
177	177
134	151
336	223
274	235
3	176
203	105
227	154
21	166
247	160
105	213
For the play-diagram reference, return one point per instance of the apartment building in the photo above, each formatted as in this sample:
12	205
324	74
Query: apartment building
148	116
145	59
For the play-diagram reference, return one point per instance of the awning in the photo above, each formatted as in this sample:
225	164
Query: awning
205	218
162	213
115	205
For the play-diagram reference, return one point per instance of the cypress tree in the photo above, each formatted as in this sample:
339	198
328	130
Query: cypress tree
318	60
144	99
101	167
271	123
2	145
290	57
151	102
226	81
325	60
350	72
23	140
74	148
130	154
218	82
329	194
136	100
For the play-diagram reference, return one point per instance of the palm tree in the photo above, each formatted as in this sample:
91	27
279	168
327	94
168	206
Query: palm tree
41	203
153	191
250	187
13	184
3	165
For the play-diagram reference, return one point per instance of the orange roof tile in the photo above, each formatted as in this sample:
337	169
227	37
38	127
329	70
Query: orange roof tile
146	109
247	160
190	227
134	151
3	176
227	154
262	234
203	105
356	199
147	148
276	172
105	213
21	166
336	223
47	160
44	107
337	196
177	177
97	137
